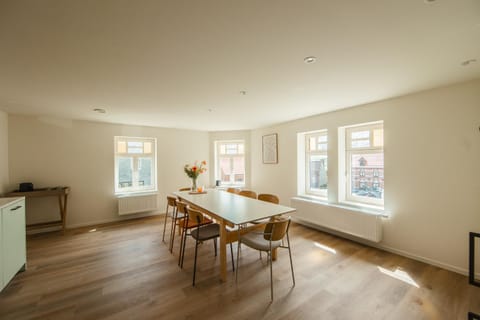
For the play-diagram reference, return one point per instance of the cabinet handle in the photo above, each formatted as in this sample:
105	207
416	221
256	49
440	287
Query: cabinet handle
16	208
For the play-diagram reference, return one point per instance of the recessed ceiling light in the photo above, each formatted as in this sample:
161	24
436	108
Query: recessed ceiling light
468	62
243	92
310	59
100	110
429	1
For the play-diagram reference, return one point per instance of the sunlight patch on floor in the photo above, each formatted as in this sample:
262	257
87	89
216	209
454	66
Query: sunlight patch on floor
399	275
325	248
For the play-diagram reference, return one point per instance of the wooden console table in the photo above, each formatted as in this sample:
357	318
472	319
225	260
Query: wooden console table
61	193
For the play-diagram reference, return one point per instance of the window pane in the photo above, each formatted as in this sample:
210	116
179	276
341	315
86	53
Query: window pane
367	175
322	146
231	148
322	138
378	137
135	147
361	134
125	172
318	172
360	143
239	169
225	169
147	147
121	146
313	144
145	172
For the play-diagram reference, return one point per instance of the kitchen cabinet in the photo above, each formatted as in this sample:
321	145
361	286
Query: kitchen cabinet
12	238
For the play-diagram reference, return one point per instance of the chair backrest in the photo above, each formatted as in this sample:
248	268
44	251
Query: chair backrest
269	198
248	193
182	206
276	230
195	216
233	190
172	201
184	189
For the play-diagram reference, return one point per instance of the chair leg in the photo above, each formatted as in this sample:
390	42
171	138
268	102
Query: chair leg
194	263
215	246
271	276
184	245
238	257
173	225
165	223
291	263
231	254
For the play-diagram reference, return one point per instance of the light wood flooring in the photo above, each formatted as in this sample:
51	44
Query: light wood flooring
124	271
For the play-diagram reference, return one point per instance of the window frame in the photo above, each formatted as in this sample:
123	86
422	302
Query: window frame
219	156
308	153
371	149
135	188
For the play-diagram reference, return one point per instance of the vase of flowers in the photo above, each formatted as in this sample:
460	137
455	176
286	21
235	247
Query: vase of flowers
194	171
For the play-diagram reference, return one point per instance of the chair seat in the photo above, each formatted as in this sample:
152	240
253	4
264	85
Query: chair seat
257	241
207	232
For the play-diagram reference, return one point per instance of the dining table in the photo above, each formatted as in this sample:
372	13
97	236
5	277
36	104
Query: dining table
231	211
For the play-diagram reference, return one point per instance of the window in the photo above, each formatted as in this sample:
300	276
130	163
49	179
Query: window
364	164
135	164
316	163
230	162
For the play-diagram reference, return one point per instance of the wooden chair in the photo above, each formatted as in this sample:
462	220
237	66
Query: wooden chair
178	218
233	190
187	224
268	240
248	193
203	233
171	203
268	198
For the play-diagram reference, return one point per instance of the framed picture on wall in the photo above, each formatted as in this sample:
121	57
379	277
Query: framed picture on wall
270	148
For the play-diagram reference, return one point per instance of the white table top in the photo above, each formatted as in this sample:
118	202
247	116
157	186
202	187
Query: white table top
232	207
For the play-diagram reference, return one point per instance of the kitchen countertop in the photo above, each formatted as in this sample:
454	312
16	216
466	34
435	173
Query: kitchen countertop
8	201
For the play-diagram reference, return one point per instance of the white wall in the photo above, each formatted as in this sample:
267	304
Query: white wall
3	152
432	168
231	135
79	154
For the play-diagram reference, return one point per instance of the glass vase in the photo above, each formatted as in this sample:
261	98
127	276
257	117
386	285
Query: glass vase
194	184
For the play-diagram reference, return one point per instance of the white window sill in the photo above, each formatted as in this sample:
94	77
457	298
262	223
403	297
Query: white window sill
226	186
312	198
135	193
368	209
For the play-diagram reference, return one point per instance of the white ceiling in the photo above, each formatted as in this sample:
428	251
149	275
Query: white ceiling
183	64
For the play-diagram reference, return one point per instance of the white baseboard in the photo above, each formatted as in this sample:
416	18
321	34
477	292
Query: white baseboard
120	218
403	253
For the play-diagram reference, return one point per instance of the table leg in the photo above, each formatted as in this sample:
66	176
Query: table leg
63	210
223	250
274	254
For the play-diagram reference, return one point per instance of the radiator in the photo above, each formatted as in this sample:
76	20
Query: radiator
137	203
350	221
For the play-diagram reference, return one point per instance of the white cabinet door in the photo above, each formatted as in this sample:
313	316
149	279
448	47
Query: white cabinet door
14	241
2	284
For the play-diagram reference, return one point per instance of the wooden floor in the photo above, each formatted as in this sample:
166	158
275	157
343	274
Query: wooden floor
124	271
